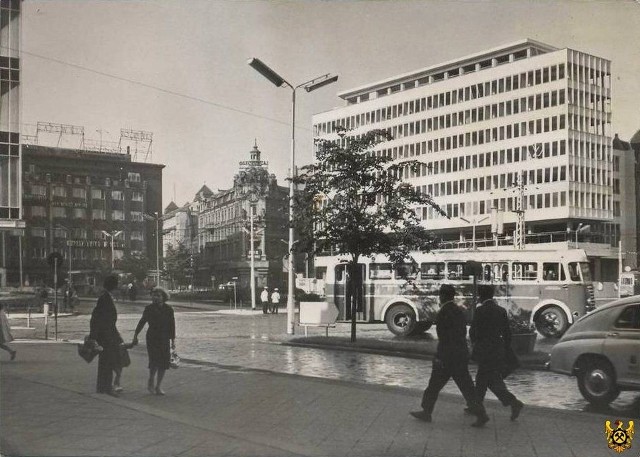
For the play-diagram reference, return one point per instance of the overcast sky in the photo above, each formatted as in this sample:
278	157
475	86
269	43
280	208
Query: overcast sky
178	68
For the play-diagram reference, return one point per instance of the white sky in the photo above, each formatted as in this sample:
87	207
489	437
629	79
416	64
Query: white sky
82	62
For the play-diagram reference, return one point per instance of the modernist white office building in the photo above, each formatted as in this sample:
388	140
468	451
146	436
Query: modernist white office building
478	122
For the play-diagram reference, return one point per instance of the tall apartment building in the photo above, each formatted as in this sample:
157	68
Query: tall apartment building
11	223
525	119
72	197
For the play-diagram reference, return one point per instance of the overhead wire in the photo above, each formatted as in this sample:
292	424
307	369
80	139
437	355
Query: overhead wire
153	87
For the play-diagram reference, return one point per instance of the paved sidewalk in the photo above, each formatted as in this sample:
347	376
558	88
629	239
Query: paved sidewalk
48	408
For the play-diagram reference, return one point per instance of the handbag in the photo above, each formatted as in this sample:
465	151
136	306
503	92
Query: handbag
125	360
89	349
174	359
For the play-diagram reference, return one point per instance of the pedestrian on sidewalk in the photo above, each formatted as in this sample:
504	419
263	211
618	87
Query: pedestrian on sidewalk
491	339
161	331
5	333
275	301
104	331
264	299
452	360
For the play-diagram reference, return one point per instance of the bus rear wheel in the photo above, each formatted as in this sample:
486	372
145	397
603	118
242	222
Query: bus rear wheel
552	322
401	320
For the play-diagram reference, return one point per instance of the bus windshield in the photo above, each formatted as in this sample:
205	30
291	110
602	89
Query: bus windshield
579	271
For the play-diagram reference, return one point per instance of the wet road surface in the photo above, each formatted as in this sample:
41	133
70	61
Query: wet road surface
213	340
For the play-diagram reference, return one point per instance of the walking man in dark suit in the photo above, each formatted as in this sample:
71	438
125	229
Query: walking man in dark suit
491	338
452	360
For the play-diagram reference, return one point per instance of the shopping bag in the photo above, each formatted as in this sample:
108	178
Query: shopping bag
174	359
89	349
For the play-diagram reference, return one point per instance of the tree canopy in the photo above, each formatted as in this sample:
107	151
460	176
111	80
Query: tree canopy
355	201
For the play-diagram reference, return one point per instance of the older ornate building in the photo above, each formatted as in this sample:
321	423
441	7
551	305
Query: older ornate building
224	227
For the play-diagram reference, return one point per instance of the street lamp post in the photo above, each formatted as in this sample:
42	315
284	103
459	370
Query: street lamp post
309	86
112	235
156	217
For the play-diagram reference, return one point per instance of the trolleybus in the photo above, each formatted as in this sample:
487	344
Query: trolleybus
554	287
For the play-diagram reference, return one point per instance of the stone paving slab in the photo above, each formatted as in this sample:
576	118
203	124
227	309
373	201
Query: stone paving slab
48	408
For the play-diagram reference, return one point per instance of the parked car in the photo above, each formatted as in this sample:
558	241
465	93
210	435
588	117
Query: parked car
602	349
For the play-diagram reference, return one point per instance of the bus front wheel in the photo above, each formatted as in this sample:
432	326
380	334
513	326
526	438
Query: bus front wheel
552	322
401	320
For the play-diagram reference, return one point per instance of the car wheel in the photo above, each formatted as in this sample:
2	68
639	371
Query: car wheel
597	383
401	320
552	322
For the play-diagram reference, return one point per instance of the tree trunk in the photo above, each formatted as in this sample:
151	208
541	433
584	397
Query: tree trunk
354	299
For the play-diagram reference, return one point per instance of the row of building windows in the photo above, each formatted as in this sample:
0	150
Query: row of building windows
592	200
88	180
479	137
472	92
499	181
80	254
81	213
472	161
479	114
80	192
79	233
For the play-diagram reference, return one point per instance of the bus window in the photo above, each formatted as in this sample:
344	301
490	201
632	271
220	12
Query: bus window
524	271
432	270
574	271
340	269
406	271
321	273
457	271
550	271
495	272
380	271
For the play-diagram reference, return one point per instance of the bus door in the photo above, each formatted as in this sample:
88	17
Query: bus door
497	274
555	286
343	291
525	285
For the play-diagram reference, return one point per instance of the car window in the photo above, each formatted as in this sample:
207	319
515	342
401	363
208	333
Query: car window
629	318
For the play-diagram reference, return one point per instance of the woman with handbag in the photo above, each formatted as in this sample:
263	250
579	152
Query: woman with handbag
160	334
104	332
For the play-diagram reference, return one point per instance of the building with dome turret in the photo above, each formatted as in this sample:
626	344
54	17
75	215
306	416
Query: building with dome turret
224	220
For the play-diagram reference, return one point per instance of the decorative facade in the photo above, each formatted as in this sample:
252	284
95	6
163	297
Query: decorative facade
224	227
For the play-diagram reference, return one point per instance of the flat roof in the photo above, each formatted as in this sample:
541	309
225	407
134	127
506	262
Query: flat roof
462	61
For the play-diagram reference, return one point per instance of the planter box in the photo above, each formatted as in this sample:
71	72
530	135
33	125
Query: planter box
523	343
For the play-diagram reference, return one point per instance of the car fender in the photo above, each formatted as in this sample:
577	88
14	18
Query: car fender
552	302
565	354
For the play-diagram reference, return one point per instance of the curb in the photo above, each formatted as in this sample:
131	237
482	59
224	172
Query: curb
535	361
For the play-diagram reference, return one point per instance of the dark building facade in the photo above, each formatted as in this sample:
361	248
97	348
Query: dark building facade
79	202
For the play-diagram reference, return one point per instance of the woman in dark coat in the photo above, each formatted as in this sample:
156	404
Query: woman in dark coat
104	331
161	332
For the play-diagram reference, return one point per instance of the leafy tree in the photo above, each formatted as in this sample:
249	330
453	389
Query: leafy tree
354	201
136	265
177	264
